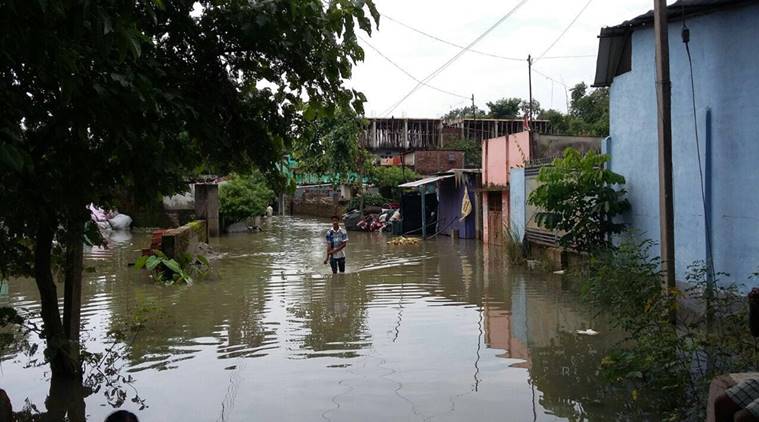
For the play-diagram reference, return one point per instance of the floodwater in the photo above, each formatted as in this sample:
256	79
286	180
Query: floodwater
441	331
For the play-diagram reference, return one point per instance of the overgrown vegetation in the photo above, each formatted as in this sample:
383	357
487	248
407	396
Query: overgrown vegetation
387	179
244	196
514	246
185	269
580	198
671	364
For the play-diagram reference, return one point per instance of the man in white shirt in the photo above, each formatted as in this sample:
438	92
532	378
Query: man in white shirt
337	239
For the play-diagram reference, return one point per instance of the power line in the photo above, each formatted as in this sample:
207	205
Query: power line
452	44
564	31
483	53
456	56
405	72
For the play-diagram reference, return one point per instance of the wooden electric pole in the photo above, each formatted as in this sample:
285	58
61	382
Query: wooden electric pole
664	120
529	81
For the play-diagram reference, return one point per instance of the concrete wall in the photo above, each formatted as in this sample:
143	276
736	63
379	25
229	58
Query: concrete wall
725	63
518	201
519	149
318	201
495	156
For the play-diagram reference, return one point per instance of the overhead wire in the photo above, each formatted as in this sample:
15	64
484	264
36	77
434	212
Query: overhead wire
405	72
455	57
483	53
452	44
564	32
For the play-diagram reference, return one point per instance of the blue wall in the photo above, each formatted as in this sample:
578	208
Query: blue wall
517	201
725	48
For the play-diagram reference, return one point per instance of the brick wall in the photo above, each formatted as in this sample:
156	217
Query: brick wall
431	162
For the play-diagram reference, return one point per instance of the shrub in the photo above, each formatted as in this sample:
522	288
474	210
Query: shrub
244	196
577	197
387	180
670	365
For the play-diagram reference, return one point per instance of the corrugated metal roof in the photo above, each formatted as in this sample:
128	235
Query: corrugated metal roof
425	181
614	49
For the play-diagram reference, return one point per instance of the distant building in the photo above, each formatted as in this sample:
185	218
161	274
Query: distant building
725	54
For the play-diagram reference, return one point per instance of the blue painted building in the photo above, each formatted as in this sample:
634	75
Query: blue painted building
724	44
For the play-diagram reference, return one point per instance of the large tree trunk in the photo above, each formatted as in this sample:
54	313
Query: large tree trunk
58	351
65	401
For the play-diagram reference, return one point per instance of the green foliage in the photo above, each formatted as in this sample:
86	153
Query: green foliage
387	180
370	200
244	196
577	197
472	151
505	108
109	96
672	364
514	246
329	145
464	113
185	269
588	113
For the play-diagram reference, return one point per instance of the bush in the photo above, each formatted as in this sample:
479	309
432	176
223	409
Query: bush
387	180
577	197
244	196
668	366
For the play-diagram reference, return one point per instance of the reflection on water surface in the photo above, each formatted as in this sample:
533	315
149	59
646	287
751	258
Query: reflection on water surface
438	331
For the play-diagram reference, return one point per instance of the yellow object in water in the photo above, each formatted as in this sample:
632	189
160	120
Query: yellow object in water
466	205
403	241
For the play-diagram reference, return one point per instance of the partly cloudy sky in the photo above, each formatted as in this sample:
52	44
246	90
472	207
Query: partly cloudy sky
530	30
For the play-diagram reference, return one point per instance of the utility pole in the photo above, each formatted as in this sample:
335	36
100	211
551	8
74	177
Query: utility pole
474	117
664	120
529	79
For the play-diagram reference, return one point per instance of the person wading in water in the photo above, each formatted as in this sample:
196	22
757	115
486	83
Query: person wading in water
337	239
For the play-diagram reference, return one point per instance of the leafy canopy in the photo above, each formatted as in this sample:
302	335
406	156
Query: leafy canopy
103	96
388	178
329	145
244	196
578	197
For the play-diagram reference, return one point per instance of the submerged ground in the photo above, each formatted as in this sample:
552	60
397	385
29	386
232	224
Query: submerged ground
440	331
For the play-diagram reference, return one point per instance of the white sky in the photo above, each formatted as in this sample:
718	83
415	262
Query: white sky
529	31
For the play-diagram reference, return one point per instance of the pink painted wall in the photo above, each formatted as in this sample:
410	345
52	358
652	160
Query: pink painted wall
501	154
519	149
498	156
495	155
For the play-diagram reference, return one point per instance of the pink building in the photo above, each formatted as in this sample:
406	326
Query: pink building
498	156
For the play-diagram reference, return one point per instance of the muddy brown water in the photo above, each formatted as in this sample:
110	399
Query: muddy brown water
441	331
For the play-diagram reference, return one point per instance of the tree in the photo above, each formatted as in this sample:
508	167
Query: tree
505	108
329	145
577	197
387	180
464	113
589	112
108	95
244	196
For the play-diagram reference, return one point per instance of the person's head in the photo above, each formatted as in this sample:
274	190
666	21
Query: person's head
335	222
122	416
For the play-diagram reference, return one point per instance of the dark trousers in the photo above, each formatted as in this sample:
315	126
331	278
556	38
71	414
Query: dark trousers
337	263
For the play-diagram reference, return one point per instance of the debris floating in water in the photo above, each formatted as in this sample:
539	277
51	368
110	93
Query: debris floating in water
588	332
560	272
403	241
